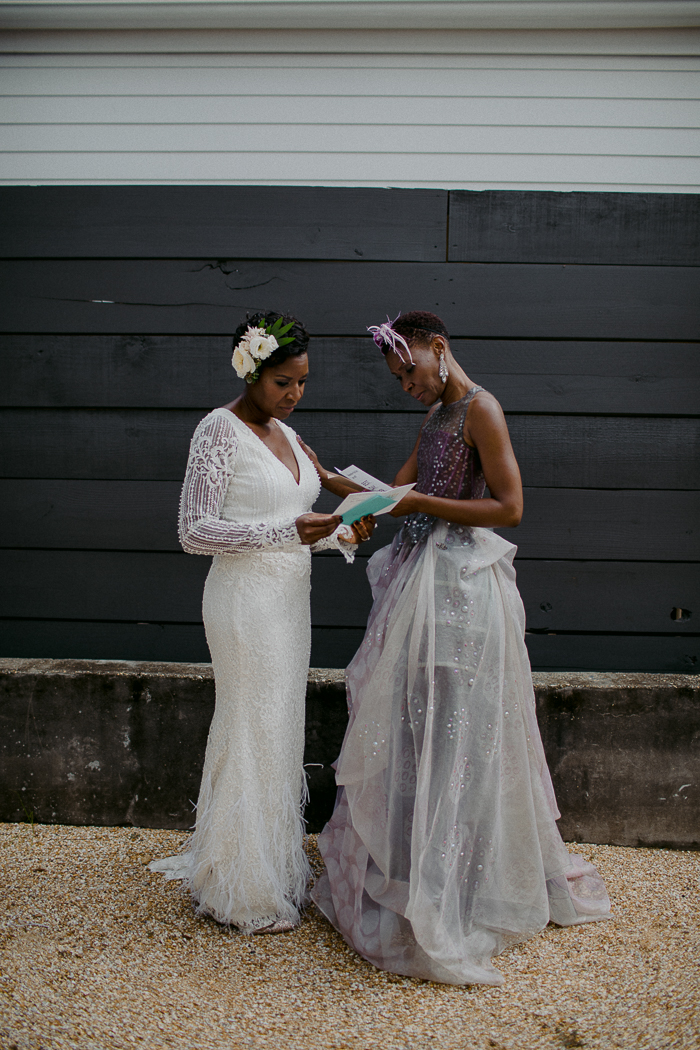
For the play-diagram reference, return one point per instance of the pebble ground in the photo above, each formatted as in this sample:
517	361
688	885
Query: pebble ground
98	952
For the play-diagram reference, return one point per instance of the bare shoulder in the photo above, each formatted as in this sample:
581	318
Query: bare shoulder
484	401
484	417
484	406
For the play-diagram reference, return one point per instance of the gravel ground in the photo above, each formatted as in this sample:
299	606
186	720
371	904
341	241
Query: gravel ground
98	952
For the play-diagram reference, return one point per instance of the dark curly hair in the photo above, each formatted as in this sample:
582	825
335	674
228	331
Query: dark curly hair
265	319
417	327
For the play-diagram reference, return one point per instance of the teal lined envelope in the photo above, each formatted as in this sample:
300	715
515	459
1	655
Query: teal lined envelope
359	504
373	505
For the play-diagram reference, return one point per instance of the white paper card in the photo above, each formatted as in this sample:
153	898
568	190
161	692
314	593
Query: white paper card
360	477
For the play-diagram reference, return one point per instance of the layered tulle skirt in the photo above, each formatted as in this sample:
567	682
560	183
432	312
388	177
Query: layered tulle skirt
443	848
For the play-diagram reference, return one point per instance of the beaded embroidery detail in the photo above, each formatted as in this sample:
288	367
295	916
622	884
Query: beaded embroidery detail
447	465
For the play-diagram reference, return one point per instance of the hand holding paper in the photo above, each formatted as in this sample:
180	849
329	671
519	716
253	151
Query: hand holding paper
380	498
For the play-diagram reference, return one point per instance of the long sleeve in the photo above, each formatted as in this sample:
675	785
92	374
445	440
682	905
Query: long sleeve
337	541
210	467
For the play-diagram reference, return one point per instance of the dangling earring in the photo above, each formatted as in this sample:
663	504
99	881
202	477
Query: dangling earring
442	370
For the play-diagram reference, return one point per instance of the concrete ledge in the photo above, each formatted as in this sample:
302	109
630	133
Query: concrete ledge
112	742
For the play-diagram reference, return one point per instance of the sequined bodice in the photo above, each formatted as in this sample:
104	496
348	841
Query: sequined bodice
447	465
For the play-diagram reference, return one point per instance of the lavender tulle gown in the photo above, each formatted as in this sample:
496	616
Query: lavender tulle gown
443	848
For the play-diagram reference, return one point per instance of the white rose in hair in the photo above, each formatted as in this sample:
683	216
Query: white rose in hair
242	361
261	346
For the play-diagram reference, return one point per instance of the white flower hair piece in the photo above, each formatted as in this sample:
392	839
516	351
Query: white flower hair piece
257	344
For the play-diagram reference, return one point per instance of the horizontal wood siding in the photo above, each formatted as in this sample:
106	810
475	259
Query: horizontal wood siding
496	300
579	312
659	228
256	222
560	595
588	452
559	522
261	222
527	375
457	121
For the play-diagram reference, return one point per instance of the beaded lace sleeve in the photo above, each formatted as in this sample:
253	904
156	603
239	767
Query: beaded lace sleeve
336	541
201	529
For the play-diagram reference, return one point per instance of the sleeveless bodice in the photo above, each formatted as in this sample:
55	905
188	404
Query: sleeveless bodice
447	465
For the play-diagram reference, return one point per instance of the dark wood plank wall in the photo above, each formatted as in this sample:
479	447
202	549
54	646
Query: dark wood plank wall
580	311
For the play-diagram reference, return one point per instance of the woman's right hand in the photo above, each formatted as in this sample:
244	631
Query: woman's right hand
363	529
314	527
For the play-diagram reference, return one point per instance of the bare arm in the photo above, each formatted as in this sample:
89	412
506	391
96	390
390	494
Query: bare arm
485	427
335	483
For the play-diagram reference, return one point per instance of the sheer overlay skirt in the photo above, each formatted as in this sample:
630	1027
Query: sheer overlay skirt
443	847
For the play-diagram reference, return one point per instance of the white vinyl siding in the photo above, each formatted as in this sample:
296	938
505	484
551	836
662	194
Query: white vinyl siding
560	122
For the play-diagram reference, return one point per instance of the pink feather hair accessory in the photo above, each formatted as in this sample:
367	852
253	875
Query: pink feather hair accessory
384	335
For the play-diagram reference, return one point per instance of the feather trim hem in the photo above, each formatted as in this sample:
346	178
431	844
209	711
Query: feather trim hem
248	867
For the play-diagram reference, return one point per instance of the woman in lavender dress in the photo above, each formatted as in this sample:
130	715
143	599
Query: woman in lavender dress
443	848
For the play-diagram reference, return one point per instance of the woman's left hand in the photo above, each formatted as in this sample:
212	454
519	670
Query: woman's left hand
362	530
321	471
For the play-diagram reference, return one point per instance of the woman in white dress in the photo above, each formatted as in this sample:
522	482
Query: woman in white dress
246	500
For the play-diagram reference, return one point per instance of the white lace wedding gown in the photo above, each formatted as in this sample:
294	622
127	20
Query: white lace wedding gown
245	863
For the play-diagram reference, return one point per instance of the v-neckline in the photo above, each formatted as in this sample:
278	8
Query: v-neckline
297	481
